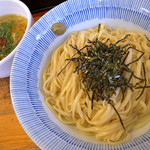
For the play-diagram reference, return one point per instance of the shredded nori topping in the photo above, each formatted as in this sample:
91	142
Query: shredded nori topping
102	68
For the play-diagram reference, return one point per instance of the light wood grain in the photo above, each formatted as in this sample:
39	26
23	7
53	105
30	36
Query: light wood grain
12	135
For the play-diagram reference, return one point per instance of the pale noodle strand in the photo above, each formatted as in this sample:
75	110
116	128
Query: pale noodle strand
64	94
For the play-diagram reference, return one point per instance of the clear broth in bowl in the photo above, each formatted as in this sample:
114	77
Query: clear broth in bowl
12	29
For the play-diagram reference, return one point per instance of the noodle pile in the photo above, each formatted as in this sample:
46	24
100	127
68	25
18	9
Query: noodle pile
65	95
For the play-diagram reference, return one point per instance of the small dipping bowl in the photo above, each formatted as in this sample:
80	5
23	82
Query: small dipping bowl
19	8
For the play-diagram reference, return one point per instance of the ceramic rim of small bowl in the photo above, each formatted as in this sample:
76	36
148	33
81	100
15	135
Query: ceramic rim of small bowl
30	21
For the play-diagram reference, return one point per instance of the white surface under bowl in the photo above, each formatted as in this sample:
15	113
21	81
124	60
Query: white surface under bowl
13	7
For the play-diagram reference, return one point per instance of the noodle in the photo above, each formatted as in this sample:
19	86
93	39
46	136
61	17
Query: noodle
65	95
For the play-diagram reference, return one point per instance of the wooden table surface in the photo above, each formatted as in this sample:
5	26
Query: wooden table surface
12	135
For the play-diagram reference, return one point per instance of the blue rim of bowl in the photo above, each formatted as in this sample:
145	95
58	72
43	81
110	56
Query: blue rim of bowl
24	79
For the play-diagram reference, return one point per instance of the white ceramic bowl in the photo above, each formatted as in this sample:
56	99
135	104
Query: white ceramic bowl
38	121
13	7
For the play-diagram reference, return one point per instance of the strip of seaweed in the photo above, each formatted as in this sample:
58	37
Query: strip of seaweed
102	70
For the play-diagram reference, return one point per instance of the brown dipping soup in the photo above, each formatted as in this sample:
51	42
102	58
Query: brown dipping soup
12	29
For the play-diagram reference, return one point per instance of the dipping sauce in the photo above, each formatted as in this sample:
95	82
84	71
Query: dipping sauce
12	29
